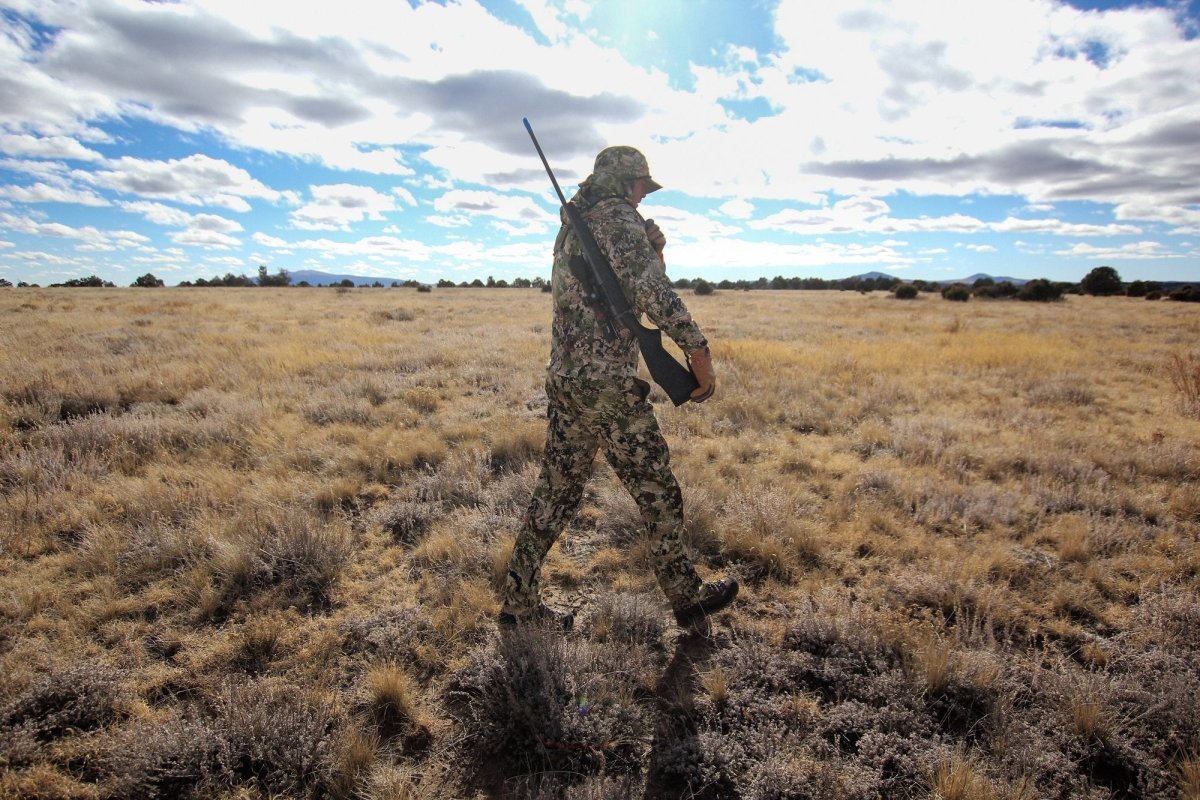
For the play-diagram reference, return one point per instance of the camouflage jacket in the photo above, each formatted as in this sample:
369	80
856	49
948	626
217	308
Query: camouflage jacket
579	346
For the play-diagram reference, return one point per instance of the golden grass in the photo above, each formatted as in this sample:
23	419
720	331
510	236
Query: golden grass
957	778
213	486
1189	777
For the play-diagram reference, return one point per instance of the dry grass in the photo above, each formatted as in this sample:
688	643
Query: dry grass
250	541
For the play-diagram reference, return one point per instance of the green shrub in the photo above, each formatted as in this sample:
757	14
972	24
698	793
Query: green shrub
1040	290
995	291
956	292
1102	281
148	281
905	291
1143	288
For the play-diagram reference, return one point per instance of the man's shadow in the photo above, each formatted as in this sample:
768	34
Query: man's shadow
676	719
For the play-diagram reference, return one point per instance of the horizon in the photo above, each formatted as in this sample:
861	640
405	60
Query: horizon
927	141
304	278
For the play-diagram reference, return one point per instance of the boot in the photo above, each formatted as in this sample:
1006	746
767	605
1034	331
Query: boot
543	615
714	596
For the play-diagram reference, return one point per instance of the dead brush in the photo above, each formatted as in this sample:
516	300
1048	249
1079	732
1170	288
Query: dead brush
927	479
935	663
286	552
1183	369
626	619
537	699
767	531
393	699
1089	706
957	778
78	698
1189	776
260	641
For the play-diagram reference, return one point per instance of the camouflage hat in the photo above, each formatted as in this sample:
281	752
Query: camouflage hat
626	162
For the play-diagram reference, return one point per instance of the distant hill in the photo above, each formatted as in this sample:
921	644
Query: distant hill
874	276
971	281
318	278
978	276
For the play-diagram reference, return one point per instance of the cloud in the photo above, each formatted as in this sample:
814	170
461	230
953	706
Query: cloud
461	205
680	226
85	239
195	180
1060	228
737	208
46	193
199	230
760	258
197	237
339	206
57	147
1135	250
861	215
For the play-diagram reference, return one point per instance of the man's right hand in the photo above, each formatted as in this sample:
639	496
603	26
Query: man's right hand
701	364
658	240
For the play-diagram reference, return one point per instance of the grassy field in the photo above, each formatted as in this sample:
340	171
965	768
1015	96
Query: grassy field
250	540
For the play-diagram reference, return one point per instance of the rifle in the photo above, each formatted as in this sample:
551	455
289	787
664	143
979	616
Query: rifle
675	379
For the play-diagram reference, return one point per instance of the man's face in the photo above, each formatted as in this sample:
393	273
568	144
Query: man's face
639	192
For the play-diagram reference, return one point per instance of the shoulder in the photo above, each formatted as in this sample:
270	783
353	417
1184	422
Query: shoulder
615	208
615	215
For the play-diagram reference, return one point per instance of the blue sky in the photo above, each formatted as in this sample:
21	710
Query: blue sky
928	139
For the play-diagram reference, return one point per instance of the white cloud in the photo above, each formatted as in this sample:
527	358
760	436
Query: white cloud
268	241
737	208
25	145
468	203
679	225
861	215
1136	250
761	258
1061	228
232	262
339	206
199	230
89	238
195	180
47	193
441	221
201	238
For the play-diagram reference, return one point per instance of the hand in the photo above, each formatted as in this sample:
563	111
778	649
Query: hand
701	364
657	239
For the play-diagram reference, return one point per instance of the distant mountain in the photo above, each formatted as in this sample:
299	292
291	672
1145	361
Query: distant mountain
318	278
874	276
978	276
971	281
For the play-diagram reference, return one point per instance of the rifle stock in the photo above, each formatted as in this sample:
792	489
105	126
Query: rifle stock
675	379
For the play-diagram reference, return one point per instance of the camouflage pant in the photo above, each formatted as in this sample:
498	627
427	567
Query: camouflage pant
582	419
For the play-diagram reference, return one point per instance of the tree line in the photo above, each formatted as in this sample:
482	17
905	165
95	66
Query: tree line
1101	281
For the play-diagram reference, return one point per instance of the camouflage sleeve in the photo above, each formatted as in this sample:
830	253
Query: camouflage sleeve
622	234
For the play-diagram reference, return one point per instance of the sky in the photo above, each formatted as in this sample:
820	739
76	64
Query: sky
928	139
